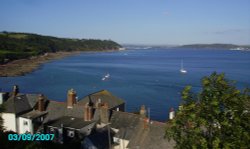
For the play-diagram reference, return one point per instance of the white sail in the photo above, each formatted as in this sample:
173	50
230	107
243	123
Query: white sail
182	70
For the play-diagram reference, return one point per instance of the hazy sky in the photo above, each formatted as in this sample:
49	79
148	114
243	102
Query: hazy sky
132	21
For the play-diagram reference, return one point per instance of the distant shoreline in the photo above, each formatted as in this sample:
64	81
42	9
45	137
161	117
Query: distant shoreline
22	67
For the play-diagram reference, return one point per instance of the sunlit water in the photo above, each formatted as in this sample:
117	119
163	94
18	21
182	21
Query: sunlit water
150	77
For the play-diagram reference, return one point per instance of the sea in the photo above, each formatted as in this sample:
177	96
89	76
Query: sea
149	77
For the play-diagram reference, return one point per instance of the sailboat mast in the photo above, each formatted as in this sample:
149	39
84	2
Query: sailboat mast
181	64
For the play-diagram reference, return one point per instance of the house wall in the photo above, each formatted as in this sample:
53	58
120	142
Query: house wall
122	143
25	125
1	98
9	121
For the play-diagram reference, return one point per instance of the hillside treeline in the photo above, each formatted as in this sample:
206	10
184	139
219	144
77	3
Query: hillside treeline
15	46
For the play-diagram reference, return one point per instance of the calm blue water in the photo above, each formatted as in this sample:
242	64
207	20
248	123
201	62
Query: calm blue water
149	77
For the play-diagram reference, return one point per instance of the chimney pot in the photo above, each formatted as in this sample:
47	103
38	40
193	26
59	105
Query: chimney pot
71	100
143	111
88	112
15	90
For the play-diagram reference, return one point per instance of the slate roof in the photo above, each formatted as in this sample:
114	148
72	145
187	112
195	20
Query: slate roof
59	109
70	122
151	137
127	123
120	120
124	133
132	127
105	96
33	114
20	103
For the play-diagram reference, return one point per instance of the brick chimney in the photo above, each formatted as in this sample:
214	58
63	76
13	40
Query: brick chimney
146	123
41	105
104	113
171	113
71	98
143	111
15	90
88	112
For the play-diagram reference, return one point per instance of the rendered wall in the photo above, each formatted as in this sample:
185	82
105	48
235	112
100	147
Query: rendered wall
25	125
9	121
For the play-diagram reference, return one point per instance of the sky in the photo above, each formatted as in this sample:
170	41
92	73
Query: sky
157	22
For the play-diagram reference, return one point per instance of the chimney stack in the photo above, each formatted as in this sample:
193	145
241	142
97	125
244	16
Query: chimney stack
41	103
143	111
104	113
98	103
15	90
88	112
71	98
171	114
145	122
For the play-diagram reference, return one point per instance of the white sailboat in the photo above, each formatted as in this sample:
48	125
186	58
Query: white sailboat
106	77
182	70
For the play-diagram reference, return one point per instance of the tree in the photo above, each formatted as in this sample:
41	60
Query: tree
217	117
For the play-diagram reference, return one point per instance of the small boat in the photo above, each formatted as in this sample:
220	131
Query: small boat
182	70
107	76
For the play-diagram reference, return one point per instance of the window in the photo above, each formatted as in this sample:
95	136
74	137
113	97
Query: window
52	130
71	133
25	123
116	140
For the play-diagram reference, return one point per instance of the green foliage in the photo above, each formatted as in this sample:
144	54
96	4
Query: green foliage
22	45
217	117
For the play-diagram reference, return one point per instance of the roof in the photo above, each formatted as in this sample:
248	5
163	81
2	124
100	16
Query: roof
124	133
127	123
120	120
132	127
33	114
70	122
59	109
20	103
104	96
151	137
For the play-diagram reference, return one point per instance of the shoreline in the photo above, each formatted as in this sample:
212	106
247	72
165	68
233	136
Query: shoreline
22	67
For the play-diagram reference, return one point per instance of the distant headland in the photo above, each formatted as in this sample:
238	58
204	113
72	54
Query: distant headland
21	53
217	46
192	46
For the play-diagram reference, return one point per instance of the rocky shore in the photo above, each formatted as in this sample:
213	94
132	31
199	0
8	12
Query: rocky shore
24	66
